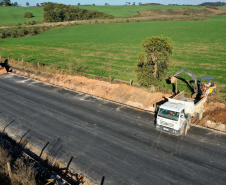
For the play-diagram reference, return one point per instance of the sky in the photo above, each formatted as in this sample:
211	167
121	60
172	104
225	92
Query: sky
114	2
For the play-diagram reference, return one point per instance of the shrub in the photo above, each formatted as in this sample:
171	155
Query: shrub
28	15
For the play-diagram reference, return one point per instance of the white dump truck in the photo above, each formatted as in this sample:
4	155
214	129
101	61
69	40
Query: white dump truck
174	116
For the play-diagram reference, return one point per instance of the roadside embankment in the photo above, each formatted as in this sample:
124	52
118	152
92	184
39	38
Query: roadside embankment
120	93
214	116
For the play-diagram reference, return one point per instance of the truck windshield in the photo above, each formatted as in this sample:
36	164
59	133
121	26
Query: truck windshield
168	114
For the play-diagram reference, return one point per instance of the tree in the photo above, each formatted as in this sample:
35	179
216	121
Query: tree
134	3
37	5
5	3
153	66
27	4
79	4
15	4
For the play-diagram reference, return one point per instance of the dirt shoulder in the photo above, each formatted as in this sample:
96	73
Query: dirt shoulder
120	93
214	116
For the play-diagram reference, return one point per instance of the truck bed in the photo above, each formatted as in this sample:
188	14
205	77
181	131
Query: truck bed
189	99
192	105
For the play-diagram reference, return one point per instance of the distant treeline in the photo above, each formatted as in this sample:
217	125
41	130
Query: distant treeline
213	4
54	12
147	4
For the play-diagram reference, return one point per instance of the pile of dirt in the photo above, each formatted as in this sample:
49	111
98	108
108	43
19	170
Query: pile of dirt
214	116
121	93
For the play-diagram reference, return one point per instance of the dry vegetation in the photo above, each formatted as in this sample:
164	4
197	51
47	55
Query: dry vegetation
20	166
13	170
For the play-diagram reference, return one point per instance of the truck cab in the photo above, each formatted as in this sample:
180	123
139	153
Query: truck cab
172	118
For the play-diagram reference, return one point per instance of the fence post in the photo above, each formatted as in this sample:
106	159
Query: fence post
131	82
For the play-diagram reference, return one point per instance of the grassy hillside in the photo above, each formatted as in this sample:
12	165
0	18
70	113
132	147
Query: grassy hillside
15	15
222	8
111	49
128	11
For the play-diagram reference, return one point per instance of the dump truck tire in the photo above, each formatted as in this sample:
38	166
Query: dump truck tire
200	115
185	130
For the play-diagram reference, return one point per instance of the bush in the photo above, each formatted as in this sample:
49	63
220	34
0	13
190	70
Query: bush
54	12
21	31
28	15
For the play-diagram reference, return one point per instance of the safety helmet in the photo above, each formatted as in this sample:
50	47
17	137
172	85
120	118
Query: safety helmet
209	81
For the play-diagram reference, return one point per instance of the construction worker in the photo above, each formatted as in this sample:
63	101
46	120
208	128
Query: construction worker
208	84
207	87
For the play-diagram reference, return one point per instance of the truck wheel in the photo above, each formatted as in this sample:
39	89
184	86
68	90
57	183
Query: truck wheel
189	124
185	130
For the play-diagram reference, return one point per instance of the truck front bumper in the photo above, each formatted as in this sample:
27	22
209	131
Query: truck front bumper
168	130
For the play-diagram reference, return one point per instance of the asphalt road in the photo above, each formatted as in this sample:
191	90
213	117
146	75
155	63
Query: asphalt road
108	139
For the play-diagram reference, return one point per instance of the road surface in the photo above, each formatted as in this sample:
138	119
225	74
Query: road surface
109	139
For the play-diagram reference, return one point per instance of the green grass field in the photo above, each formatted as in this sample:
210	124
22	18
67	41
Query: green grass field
111	49
15	15
129	11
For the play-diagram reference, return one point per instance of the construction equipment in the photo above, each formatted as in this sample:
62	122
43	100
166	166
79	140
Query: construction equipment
174	116
207	86
188	72
204	89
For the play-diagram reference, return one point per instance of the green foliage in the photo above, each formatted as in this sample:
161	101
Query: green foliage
21	31
158	46
54	12
153	66
28	15
5	3
145	70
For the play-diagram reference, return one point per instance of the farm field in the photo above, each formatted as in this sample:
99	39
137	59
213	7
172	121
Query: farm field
111	49
129	11
15	15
